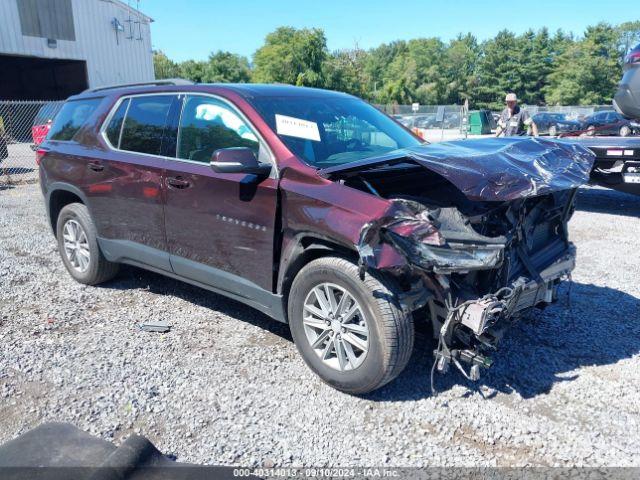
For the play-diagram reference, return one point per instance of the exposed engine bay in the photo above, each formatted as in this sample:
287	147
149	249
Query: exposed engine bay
475	255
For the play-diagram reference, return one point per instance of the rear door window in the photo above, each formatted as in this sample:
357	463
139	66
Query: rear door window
144	124
72	117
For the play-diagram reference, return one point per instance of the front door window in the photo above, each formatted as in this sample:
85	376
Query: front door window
207	125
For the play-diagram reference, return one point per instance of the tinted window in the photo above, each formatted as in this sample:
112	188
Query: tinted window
71	118
332	130
207	125
115	125
144	125
47	113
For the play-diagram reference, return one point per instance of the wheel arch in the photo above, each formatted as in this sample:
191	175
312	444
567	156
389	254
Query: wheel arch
60	195
303	249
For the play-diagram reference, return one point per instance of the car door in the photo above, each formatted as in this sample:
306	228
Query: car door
219	226
125	183
609	123
597	120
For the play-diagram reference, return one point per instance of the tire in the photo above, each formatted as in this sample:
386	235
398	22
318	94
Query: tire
390	330
75	217
625	131
591	131
553	130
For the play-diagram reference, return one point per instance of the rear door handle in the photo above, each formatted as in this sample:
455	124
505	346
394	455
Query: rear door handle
95	166
178	182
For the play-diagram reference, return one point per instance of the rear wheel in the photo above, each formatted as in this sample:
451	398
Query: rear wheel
79	249
352	333
553	130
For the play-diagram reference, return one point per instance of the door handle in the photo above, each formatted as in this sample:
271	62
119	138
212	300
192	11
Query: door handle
95	166
178	182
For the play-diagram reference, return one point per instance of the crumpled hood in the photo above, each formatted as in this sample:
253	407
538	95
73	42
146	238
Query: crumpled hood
494	169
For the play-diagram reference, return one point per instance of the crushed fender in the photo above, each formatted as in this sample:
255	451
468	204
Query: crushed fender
487	256
436	240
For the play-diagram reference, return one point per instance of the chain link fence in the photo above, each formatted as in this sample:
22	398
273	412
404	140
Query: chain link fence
431	122
573	112
23	126
448	122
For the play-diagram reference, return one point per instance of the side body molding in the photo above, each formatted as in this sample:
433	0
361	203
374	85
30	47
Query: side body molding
198	274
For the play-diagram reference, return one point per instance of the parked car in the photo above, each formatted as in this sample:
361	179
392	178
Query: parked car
42	122
610	122
554	123
319	210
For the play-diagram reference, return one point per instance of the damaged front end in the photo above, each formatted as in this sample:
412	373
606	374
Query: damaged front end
475	261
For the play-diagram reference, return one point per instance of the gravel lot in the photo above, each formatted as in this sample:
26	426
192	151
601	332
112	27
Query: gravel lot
226	385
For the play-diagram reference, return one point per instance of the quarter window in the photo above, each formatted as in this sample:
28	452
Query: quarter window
71	118
144	124
207	125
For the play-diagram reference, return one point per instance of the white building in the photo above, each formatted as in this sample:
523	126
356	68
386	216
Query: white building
50	49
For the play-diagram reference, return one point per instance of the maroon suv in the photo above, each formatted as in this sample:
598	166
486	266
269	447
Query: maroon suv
320	211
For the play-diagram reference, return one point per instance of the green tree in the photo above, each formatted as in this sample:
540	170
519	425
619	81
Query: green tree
291	56
498	70
193	70
588	71
459	67
344	71
539	67
163	66
227	67
415	73
375	67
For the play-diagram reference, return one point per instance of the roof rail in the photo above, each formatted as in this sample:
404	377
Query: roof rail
166	81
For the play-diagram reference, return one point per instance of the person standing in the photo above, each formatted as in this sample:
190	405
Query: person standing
515	120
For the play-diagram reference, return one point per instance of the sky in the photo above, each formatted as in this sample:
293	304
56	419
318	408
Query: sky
191	29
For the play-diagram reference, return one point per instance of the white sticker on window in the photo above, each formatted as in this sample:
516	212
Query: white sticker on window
296	127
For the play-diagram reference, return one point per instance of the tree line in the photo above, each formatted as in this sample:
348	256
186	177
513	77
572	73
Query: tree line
542	68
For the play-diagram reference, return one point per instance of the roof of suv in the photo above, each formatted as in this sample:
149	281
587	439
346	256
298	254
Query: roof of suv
246	90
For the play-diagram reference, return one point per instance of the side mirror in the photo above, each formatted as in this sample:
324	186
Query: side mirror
238	160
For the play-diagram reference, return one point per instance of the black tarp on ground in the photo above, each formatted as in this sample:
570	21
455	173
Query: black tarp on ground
60	451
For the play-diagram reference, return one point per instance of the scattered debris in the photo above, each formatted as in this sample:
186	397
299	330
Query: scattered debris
159	326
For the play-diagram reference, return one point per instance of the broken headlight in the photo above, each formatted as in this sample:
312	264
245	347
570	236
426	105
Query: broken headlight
450	257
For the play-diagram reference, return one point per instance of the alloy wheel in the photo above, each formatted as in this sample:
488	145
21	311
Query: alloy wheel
336	327
76	245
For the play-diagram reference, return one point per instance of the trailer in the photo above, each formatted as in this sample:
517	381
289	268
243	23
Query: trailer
617	163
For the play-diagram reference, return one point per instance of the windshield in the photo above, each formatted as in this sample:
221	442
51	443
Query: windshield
327	131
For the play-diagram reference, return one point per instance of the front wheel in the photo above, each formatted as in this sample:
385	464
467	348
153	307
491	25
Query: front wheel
352	333
625	131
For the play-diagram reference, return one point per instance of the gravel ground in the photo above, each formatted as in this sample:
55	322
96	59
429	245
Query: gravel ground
226	385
